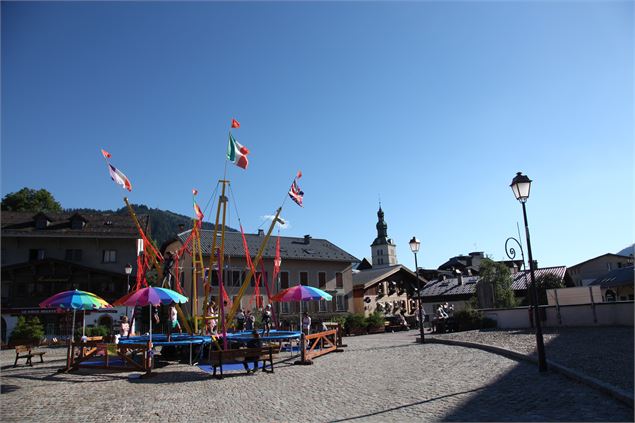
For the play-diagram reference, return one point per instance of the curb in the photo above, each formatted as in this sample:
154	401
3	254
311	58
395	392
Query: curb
617	393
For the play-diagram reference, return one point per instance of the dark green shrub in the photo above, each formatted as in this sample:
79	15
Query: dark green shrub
355	322
487	323
27	331
375	320
468	319
92	331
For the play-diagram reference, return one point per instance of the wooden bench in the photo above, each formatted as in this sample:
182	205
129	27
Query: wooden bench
24	351
241	356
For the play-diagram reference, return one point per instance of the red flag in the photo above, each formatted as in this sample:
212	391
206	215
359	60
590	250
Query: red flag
299	175
235	123
194	191
105	154
199	213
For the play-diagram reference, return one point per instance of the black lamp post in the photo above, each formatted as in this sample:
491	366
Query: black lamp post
128	270
277	262
521	186
414	247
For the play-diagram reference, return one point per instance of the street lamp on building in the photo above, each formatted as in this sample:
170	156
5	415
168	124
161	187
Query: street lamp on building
521	185
414	247
277	262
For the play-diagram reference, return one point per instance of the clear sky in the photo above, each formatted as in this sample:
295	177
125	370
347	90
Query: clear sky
434	106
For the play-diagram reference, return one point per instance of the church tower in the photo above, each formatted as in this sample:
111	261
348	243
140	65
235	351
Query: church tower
383	250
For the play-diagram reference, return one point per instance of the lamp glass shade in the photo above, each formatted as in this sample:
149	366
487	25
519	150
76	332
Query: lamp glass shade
277	262
521	185
128	269
414	244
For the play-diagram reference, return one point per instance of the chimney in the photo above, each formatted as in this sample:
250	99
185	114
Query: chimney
307	239
261	232
459	276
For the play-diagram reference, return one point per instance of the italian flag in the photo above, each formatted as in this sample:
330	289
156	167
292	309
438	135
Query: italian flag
237	153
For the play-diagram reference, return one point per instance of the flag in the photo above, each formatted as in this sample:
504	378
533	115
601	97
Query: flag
199	213
235	123
277	260
296	193
194	191
105	154
119	177
237	153
299	175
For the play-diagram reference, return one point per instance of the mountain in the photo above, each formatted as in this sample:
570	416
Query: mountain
164	224
627	251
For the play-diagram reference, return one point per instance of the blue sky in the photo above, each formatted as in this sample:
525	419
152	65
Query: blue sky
434	106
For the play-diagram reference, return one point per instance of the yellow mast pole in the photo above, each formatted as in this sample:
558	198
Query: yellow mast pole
245	284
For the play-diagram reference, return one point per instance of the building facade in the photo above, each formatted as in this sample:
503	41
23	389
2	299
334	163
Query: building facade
306	261
47	253
586	272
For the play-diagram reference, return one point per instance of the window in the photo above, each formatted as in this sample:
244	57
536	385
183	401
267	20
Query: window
234	277
339	282
36	254
73	255
109	256
284	280
214	281
380	252
6	292
304	278
285	308
380	260
322	279
323	306
340	304
608	266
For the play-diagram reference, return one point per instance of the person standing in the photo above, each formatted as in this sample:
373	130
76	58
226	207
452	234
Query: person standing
266	320
306	323
173	321
124	329
250	319
240	320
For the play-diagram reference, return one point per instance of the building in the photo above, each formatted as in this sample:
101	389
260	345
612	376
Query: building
306	261
616	285
458	291
384	285
47	253
586	272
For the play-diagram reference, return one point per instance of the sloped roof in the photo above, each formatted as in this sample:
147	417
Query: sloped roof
96	224
616	277
449	287
370	276
599	257
290	247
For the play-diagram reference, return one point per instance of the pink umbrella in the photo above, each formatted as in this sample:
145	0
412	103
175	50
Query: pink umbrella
301	293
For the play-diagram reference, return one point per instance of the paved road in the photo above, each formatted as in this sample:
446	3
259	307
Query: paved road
378	378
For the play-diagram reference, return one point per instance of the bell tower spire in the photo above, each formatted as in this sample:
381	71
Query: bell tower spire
383	249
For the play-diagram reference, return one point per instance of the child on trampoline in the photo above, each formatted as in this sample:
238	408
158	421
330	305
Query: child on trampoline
173	321
266	320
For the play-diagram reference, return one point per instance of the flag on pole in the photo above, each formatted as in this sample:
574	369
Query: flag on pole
235	123
295	192
105	154
119	177
199	213
236	153
194	191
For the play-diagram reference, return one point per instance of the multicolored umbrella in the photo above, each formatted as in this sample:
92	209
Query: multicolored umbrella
151	296
301	293
76	300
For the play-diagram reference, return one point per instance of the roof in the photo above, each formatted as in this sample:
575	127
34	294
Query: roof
290	247
95	224
598	257
616	277
451	286
370	276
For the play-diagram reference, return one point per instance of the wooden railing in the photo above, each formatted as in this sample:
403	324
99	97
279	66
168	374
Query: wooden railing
326	341
134	356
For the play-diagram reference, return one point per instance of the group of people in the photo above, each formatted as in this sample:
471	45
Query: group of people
245	320
125	329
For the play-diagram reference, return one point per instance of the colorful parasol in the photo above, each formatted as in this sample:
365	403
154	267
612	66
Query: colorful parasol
301	293
76	300
151	296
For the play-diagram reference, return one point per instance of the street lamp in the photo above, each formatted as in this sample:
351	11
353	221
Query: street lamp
414	247
277	262
128	270
521	186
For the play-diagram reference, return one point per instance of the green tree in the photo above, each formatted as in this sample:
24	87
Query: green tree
545	282
499	277
28	199
27	331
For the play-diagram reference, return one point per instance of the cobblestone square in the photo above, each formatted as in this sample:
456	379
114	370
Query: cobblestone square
383	377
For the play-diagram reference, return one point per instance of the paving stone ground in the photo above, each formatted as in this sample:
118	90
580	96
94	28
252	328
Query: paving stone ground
383	377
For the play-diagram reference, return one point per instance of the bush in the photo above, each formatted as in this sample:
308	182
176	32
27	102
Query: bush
487	323
468	319
103	331
375	320
355	321
29	332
